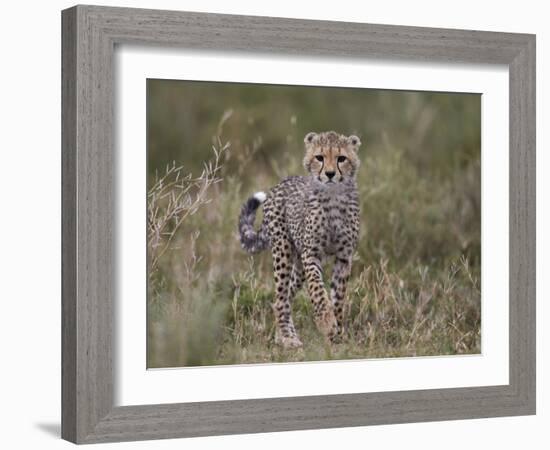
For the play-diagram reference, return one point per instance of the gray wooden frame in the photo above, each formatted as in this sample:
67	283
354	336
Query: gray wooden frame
89	37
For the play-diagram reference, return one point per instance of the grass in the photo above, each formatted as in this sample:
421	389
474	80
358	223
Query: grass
415	285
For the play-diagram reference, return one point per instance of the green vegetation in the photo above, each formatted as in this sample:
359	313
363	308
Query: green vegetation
415	287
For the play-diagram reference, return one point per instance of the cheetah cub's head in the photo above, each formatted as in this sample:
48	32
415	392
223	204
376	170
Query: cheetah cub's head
331	158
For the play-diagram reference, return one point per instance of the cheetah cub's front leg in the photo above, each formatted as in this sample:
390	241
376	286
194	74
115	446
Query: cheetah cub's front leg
285	334
340	277
322	308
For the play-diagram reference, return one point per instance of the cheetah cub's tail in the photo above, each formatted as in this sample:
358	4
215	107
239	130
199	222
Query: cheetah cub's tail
251	240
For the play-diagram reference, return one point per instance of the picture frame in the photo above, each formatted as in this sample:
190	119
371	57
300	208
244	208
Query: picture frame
89	37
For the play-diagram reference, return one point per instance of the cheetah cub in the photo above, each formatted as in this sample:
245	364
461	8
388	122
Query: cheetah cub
308	219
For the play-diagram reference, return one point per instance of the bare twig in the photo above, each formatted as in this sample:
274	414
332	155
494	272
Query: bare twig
173	198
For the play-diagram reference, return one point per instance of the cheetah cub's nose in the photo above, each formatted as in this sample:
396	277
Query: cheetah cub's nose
330	175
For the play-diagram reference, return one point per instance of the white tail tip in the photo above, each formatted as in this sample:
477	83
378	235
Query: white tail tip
260	196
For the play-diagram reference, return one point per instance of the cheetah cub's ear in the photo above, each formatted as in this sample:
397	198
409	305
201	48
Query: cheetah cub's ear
354	142
310	137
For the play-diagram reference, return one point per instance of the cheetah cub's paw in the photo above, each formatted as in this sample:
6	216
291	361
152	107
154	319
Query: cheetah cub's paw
289	342
327	325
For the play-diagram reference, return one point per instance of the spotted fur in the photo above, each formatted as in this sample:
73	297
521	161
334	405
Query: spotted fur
308	219
252	241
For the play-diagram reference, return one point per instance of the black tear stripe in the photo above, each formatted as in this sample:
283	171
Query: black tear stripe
322	167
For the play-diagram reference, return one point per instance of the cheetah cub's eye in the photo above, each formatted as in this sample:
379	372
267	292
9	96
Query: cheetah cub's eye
319	158
341	159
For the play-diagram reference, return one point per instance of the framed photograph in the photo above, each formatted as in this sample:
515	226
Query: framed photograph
278	224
